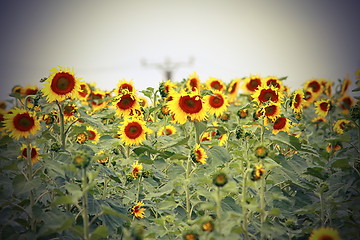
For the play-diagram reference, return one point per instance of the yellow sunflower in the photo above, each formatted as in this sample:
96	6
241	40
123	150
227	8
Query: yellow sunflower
126	104
123	84
98	99
206	136
166	87
309	97
167	130
272	81
84	92
21	123
233	89
93	134
318	120
345	85
102	157
271	110
251	84
281	124
69	111
29	90
322	107
81	138
184	105
215	84
325	233
327	86
345	103
264	94
193	82
297	101
333	147
61	84
137	168
138	211
314	85
199	154
340	125
222	139
143	101
216	103
34	153
257	172
133	131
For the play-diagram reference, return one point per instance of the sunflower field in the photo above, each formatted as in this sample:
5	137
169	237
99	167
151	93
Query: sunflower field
192	159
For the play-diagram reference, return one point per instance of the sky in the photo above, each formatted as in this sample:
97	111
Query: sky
106	41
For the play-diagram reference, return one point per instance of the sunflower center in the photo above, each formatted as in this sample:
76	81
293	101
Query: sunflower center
324	106
270	110
125	86
92	135
83	91
168	131
342	125
68	110
253	84
280	123
126	102
268	94
216	85
297	100
33	153
190	105
233	88
216	101
63	83
23	122
274	83
326	237
315	86
193	82
133	130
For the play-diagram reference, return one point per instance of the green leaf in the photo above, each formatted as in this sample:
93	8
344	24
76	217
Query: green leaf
289	140
218	155
66	199
182	141
110	211
200	127
100	232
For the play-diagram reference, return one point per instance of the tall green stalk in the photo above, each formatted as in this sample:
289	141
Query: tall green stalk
187	191
262	188
85	214
31	194
62	125
218	209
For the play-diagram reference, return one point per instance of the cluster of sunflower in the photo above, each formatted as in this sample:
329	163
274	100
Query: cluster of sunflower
272	105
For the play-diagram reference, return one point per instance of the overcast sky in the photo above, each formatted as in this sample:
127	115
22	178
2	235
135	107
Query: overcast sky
104	41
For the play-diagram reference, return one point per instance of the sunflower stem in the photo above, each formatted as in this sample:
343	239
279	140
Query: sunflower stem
187	193
106	181
243	193
322	210
218	209
62	125
30	177
138	189
262	188
85	206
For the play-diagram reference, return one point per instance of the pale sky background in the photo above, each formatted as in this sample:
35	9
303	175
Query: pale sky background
104	41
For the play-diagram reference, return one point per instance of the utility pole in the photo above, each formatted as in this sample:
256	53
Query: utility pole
167	67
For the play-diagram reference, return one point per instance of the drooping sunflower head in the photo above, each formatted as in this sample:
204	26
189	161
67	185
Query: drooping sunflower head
20	123
92	134
265	94
342	125
184	105
257	172
251	84
271	110
297	101
199	155
29	90
215	84
167	130
34	153
281	124
345	103
193	82
314	86
137	168
126	104
217	103
61	84
125	85
133	131
84	92
322	107
69	112
324	233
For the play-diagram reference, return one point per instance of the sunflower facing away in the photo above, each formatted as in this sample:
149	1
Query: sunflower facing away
264	94
133	131
199	155
217	103
34	153
297	101
21	123
137	168
138	211
322	107
325	233
233	89
61	84
281	124
93	134
184	105
167	130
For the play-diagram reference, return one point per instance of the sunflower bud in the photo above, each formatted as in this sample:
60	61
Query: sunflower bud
191	236
208	226
225	117
81	160
257	172
220	179
243	113
261	151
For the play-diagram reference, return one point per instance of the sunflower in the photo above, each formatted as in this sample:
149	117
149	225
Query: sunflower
101	157
93	134
271	110
281	124
215	84
167	130
345	85
126	104
133	131
264	94
273	82
29	90
217	103
184	105
345	103
309	97
34	153
97	100
327	86
166	87
243	113
143	101
125	85
318	120
314	85
297	101
333	147
340	125
21	123
325	233
138	211
193	82
69	111
206	136
61	84
84	92
258	171
233	89
17	89
207	226
199	155
81	138
222	139
251	84
322	107
137	168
